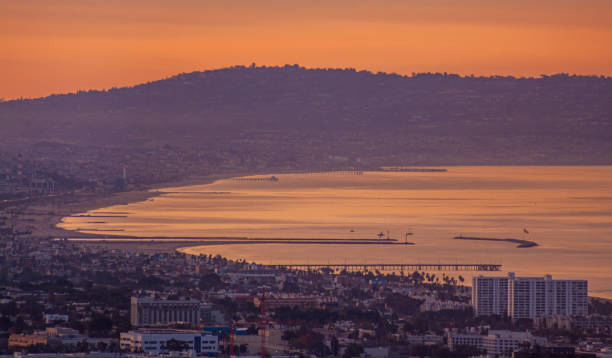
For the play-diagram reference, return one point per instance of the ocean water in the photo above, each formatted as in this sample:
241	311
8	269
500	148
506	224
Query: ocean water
566	210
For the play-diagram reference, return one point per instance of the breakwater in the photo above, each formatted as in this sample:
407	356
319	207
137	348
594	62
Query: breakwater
520	243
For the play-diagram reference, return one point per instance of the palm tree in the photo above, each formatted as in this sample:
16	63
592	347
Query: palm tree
445	279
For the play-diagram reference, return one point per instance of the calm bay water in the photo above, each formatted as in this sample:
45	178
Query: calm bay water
567	211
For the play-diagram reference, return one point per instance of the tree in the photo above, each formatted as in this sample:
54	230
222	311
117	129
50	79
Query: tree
352	350
291	287
5	323
175	345
252	330
101	346
82	346
524	346
210	280
403	304
335	346
100	325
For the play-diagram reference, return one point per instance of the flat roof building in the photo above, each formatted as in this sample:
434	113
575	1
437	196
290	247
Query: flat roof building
490	295
156	341
529	297
496	343
147	311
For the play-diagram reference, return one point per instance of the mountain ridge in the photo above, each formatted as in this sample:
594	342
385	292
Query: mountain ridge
290	116
349	69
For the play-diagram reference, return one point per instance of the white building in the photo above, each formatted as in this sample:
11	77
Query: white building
529	297
155	341
503	343
52	317
65	334
433	304
496	343
463	339
147	311
490	295
424	339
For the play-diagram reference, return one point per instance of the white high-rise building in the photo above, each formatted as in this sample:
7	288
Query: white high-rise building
490	295
529	297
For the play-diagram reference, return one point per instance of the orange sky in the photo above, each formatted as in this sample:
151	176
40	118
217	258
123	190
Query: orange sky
63	46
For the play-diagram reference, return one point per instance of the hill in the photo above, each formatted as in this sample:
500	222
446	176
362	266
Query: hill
289	117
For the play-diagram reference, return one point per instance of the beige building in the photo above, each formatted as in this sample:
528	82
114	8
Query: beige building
147	311
274	344
27	340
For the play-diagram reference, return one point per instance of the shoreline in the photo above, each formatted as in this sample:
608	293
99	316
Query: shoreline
44	214
81	202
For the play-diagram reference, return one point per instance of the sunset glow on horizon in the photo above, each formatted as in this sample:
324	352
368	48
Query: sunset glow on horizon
65	46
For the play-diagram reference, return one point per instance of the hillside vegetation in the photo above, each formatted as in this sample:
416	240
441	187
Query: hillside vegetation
269	117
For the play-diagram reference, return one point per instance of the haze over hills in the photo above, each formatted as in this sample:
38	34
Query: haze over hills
259	118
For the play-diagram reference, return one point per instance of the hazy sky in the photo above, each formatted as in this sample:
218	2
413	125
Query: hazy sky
60	46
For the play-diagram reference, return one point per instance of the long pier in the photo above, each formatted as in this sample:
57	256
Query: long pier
390	267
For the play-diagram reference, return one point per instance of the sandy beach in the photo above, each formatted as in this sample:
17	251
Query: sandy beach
42	215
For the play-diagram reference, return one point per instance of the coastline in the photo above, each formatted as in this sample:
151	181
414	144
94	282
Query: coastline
43	215
51	210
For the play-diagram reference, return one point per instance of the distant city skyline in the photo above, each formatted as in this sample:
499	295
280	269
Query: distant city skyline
65	46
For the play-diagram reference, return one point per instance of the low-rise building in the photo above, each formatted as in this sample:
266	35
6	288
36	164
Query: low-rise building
428	339
292	301
463	339
156	341
503	343
274	342
53	317
496	342
65	335
27	340
147	311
